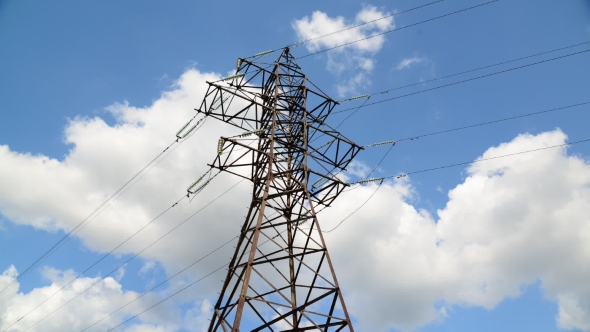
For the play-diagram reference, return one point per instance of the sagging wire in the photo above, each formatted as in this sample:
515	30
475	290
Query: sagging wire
182	289
464	81
161	283
182	135
403	175
93	265
365	96
412	138
391	145
137	254
476	69
398	28
302	42
104	205
380	180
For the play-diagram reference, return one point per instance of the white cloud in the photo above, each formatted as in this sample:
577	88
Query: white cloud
197	319
55	194
349	59
321	24
148	328
574	313
73	317
408	62
513	221
358	169
105	297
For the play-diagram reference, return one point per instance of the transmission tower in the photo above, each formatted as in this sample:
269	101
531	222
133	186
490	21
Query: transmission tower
280	277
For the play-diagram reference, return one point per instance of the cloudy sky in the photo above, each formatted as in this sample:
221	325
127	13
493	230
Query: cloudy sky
92	92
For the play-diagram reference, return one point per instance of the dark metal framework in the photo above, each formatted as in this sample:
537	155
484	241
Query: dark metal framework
280	277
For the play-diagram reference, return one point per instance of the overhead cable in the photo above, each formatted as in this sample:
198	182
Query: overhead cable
183	288
128	260
95	263
393	142
134	179
400	28
300	43
486	159
160	284
169	296
382	179
466	71
466	80
481	124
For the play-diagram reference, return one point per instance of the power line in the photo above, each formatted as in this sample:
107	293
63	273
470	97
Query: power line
130	183
170	296
168	279
397	29
81	224
361	24
95	263
177	292
381	180
358	208
468	80
367	96
356	110
297	44
462	128
128	260
160	284
331	230
376	166
492	122
470	70
486	159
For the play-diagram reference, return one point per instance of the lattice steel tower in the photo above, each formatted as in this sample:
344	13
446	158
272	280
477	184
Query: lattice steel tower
281	277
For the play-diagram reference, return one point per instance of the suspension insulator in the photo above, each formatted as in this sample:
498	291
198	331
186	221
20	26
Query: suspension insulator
178	134
368	180
190	131
220	146
392	142
358	97
258	55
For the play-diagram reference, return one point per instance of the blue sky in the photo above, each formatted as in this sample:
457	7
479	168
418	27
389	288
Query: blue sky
65	64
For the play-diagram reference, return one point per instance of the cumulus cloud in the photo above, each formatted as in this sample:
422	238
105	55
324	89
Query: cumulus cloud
511	222
73	317
346	61
106	296
321	24
103	157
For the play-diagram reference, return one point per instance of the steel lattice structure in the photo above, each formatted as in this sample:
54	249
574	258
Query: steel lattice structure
280	277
